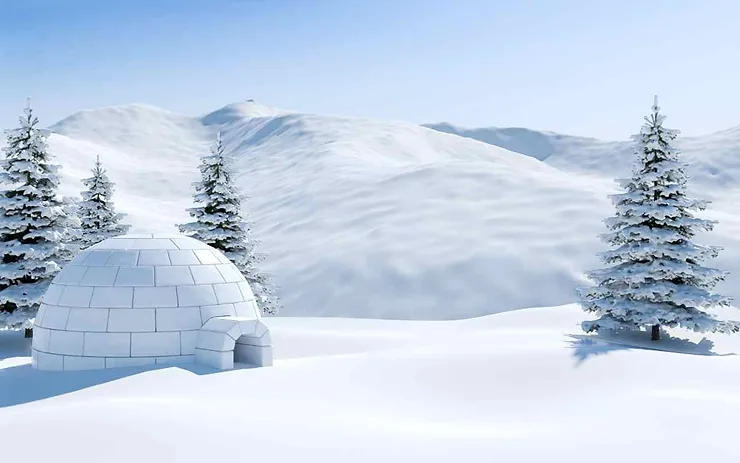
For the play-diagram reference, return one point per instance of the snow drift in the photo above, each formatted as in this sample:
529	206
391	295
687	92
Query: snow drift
523	386
365	218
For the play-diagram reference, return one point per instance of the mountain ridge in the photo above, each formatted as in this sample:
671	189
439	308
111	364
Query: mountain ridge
712	159
375	219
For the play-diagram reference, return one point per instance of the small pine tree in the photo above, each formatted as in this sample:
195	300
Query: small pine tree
33	224
99	220
655	278
219	222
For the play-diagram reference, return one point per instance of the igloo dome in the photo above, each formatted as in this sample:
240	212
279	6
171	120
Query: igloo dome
146	299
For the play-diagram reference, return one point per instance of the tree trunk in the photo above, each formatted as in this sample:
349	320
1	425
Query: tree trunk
29	332
656	333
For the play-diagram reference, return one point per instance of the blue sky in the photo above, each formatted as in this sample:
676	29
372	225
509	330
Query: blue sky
580	67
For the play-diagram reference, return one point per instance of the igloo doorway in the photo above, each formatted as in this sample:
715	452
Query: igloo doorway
223	341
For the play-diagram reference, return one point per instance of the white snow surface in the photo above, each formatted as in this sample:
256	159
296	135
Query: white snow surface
365	218
522	386
713	161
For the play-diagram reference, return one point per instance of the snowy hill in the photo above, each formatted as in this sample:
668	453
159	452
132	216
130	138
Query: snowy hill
539	145
235	111
366	218
519	387
714	160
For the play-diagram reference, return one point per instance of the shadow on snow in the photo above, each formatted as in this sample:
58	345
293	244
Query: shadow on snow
13	344
593	345
23	384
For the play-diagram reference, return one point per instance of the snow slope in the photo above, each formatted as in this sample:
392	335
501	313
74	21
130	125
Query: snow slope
365	218
714	160
522	386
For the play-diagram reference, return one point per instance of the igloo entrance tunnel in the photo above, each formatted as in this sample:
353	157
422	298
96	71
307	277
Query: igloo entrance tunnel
146	299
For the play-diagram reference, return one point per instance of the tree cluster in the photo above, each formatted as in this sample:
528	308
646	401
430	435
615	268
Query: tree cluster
40	232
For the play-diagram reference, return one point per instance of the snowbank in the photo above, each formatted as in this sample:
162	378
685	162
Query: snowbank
523	386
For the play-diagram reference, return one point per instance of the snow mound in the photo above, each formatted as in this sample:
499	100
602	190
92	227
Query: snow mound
523	386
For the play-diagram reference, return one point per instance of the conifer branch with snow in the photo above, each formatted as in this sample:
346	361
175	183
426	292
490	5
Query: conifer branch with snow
96	211
33	223
220	222
655	277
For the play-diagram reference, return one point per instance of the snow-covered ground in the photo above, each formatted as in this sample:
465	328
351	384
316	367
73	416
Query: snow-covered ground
365	218
522	386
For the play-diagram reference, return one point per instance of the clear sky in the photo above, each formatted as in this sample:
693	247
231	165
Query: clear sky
574	66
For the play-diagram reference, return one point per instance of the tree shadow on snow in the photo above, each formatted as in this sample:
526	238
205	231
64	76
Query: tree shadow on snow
588	346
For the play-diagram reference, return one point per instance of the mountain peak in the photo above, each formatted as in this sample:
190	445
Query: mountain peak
246	109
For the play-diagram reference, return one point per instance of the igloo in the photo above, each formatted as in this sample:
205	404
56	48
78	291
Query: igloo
149	299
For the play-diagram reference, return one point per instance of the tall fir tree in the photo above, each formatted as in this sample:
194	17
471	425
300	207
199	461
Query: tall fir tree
220	222
96	211
33	223
655	277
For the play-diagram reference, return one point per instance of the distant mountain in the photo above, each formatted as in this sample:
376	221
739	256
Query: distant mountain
539	145
714	159
367	218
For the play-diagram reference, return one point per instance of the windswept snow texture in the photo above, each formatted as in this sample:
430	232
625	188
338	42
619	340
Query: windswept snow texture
520	387
364	218
714	160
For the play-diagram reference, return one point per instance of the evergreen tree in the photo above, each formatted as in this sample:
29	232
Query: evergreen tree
33	223
655	278
99	220
70	205
219	222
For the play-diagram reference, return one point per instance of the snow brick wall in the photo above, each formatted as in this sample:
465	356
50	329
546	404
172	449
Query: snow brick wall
142	299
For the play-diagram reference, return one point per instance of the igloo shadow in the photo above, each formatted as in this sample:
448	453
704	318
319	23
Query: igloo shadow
22	384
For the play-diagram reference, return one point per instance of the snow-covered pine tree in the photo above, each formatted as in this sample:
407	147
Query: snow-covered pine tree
219	222
70	205
655	278
33	224
99	220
